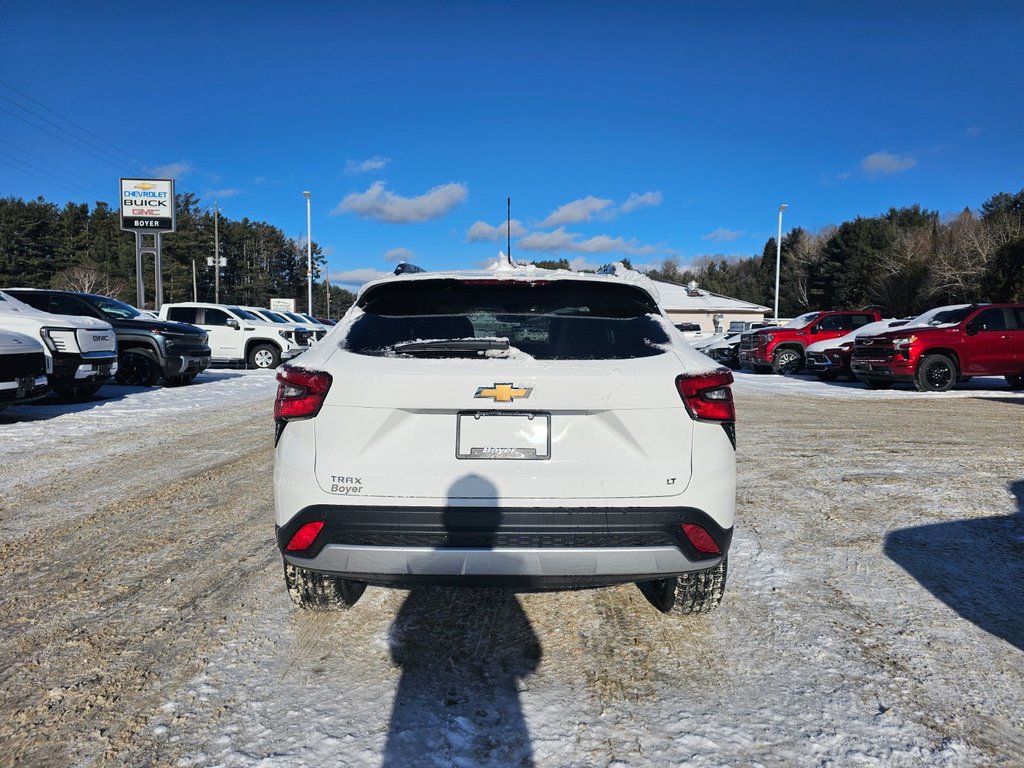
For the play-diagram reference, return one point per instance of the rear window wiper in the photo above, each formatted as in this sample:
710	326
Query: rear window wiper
452	345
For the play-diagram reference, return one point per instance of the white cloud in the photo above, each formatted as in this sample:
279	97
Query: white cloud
560	240
886	163
396	255
379	204
218	194
370	165
172	170
635	201
356	276
576	211
482	231
723	235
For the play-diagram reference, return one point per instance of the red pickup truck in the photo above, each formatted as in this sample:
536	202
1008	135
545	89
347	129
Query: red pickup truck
945	345
782	349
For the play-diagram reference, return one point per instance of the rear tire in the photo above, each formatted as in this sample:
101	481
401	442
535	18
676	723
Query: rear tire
264	356
1016	381
137	368
315	591
687	593
787	360
935	373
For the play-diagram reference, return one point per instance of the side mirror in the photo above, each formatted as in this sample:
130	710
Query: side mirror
973	327
232	323
814	329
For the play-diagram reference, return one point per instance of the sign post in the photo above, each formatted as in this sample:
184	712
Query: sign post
147	209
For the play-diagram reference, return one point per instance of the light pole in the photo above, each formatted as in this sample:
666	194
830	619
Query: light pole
216	257
309	257
778	259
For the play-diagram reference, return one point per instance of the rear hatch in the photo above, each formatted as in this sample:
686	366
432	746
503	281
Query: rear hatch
546	394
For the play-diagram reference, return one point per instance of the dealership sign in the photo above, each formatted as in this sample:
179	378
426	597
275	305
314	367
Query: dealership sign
147	205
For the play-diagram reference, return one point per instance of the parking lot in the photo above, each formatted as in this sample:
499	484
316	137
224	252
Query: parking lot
873	614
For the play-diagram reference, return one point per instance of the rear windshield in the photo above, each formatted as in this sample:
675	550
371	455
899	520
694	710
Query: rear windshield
558	320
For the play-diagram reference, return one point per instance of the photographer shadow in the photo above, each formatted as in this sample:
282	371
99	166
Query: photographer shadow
464	653
975	567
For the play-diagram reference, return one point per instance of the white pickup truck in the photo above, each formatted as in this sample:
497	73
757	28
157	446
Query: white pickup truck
81	352
238	336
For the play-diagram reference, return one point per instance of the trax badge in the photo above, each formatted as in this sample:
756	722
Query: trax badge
503	393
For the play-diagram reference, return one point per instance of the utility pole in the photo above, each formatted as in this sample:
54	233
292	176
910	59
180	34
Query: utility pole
195	291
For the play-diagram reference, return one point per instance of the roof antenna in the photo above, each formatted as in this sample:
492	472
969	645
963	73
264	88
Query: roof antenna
508	227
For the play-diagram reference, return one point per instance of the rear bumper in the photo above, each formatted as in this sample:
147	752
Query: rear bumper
523	547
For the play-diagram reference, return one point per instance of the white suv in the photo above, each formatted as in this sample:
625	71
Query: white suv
237	335
517	426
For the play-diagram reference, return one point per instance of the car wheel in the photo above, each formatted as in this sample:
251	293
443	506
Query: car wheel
787	361
1016	381
264	356
687	593
137	368
935	373
77	393
180	380
878	383
315	591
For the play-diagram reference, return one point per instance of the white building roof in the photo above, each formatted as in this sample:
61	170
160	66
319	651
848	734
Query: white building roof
680	298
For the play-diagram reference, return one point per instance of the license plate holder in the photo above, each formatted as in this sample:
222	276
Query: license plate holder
25	385
509	435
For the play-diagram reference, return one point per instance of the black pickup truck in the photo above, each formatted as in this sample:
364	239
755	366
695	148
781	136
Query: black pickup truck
148	348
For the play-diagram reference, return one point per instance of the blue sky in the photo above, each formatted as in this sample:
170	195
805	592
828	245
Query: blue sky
645	130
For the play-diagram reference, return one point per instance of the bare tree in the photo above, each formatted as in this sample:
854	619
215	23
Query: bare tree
802	257
898	281
87	279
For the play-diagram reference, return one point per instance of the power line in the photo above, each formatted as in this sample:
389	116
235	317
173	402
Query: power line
105	156
61	138
52	178
131	160
42	159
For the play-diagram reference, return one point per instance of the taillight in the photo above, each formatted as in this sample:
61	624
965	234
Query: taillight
305	536
701	539
707	396
300	393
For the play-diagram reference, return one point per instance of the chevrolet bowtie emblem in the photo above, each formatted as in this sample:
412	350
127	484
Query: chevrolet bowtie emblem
145	185
503	393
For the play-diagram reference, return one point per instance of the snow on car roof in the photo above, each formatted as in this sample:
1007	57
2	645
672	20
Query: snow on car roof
865	330
508	269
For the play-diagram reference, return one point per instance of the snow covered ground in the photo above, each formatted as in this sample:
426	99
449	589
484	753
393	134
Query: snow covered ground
873	617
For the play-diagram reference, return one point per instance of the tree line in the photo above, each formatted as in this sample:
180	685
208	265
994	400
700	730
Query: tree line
901	263
43	245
